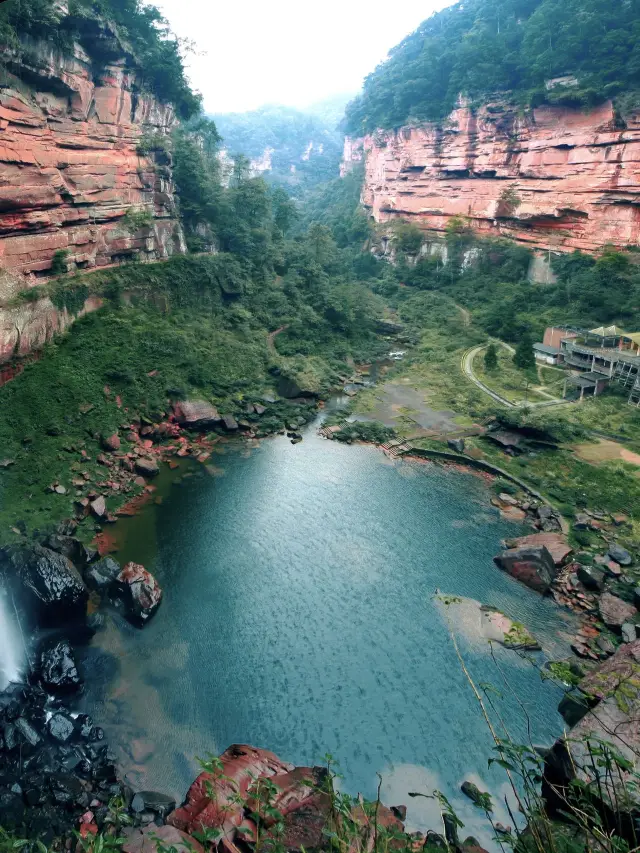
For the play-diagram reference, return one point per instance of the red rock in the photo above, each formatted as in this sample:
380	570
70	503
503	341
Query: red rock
619	518
555	159
140	592
197	414
295	788
111	442
241	765
533	566
614	611
555	543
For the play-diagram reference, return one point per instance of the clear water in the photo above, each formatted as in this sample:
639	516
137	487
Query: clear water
299	616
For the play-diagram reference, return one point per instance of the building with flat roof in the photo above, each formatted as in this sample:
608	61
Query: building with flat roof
548	354
602	355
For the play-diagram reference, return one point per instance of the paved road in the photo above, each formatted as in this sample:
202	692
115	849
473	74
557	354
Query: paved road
467	369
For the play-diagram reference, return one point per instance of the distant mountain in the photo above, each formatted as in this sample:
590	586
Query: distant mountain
295	148
330	111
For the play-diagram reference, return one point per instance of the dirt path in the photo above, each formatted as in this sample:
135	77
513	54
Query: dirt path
467	368
271	338
465	314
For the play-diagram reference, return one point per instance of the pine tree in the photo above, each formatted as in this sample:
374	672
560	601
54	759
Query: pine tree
524	357
491	359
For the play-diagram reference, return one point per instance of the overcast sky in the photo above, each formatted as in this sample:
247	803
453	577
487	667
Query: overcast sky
252	52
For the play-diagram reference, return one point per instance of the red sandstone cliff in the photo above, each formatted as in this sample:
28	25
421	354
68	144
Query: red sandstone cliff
572	177
69	169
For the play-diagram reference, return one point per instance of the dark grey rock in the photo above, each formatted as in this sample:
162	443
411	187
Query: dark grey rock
58	670
10	736
49	582
152	801
605	645
473	792
27	731
71	548
61	727
456	444
101	575
620	555
83	725
230	423
533	566
573	707
629	633
591	577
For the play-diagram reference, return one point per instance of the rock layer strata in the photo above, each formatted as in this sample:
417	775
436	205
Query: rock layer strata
71	164
553	178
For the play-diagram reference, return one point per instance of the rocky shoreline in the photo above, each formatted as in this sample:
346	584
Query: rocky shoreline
59	774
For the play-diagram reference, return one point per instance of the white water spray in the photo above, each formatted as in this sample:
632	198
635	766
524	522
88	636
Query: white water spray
11	649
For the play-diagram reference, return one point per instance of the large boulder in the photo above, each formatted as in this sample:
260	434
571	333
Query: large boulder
591	577
147	467
620	555
57	670
614	612
49	584
110	442
140	592
291	388
533	566
72	548
102	575
555	543
612	692
197	414
214	800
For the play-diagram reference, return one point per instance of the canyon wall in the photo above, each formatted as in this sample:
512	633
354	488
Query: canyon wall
70	167
554	178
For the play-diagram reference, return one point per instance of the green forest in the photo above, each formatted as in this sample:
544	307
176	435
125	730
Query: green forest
305	148
481	47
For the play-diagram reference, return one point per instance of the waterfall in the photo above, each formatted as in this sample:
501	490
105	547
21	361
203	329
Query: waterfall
11	647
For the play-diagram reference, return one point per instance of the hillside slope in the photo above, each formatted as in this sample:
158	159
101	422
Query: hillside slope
480	47
290	147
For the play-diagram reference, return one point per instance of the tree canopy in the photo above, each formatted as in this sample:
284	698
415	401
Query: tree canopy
477	48
156	52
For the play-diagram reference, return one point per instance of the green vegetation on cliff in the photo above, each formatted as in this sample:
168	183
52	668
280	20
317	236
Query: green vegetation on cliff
481	47
106	29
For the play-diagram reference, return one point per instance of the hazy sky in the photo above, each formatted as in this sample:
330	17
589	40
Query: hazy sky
253	52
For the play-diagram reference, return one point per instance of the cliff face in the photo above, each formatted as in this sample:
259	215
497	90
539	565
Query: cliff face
555	178
69	168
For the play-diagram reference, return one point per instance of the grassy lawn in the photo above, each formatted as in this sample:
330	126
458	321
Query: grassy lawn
508	380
